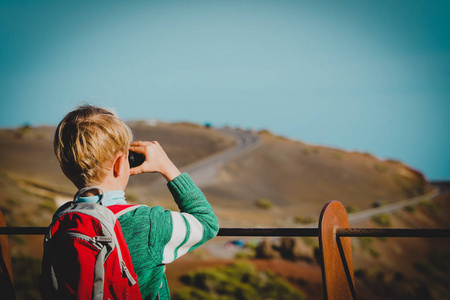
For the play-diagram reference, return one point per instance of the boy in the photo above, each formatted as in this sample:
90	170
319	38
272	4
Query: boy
92	145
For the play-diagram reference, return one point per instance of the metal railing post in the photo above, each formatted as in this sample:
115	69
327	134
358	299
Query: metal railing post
336	252
6	279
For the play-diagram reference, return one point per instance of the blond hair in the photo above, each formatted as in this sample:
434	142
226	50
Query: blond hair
86	142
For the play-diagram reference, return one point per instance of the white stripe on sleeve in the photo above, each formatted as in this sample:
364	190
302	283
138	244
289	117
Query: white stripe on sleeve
178	235
195	234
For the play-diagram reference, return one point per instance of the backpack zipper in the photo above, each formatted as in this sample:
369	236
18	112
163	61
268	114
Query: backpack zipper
96	241
127	273
125	270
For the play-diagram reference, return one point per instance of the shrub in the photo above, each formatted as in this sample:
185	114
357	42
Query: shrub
244	255
395	285
239	281
25	130
307	151
265	132
337	155
303	220
48	204
294	249
312	242
190	293
351	209
263	203
366	244
266	250
410	208
380	168
382	220
431	206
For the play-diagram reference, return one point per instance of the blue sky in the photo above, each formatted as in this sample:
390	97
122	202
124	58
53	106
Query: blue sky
359	75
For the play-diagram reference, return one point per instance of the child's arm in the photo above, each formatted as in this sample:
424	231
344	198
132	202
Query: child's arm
196	222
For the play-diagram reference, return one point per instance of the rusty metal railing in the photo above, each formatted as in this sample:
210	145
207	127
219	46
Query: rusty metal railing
334	236
284	232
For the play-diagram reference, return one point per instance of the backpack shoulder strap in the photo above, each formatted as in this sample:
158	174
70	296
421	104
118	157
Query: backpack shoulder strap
120	210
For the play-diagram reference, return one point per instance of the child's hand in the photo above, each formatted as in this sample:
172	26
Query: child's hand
156	160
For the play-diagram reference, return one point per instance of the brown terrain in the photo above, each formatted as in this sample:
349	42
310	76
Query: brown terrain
280	183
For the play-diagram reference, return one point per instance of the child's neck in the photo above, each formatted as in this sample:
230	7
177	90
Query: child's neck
104	187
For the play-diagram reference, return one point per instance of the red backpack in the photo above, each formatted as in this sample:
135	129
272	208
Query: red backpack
85	254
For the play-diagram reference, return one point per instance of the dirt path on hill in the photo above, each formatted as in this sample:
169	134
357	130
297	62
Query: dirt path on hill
392	207
204	172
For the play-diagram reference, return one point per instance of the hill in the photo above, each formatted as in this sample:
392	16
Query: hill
280	183
289	174
296	179
27	152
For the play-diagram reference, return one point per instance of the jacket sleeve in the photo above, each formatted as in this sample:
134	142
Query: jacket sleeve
193	225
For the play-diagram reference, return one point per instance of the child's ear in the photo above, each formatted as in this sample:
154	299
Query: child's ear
120	164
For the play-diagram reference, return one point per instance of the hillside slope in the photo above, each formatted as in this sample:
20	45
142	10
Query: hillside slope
297	179
292	178
27	152
275	184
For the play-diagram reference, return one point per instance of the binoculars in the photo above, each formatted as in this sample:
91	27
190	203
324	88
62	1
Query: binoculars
135	159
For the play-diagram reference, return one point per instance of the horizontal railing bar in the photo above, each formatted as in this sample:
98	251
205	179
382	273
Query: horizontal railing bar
280	232
271	232
24	230
393	232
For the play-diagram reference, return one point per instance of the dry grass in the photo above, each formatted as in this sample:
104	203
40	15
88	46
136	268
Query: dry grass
300	182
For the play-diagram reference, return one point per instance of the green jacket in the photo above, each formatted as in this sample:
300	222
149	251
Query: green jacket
156	237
